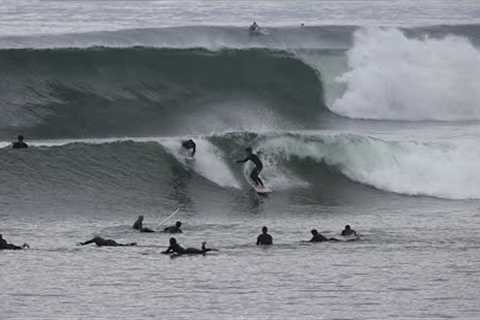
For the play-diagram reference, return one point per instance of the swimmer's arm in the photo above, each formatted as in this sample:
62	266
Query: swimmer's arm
169	250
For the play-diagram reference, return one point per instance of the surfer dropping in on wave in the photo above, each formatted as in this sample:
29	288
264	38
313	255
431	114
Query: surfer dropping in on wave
254	27
189	144
258	166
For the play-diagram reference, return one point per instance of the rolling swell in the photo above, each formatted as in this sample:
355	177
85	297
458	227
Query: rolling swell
315	162
139	91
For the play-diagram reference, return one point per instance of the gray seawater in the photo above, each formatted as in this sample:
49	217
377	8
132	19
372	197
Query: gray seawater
373	127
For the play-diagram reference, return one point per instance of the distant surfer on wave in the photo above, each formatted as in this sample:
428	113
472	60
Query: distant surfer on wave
19	144
177	249
254	28
101	242
258	166
189	145
4	245
138	225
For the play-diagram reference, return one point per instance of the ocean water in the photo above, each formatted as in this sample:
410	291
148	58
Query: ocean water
368	115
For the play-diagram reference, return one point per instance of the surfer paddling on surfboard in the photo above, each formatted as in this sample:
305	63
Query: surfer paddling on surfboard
258	166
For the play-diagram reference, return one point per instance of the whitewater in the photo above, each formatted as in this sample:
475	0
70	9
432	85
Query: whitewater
368	114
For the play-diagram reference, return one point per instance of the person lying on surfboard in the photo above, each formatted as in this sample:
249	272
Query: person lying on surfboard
4	245
177	249
174	229
258	166
101	242
189	144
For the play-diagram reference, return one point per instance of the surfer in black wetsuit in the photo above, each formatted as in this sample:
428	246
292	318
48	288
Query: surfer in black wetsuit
4	245
349	231
258	166
317	237
138	225
177	249
264	239
19	144
189	144
99	241
254	27
174	229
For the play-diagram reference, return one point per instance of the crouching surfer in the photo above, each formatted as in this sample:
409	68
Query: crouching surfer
4	245
177	250
101	242
190	145
254	175
138	225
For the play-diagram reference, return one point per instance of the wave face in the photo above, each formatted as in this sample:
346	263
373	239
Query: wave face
322	163
284	79
122	91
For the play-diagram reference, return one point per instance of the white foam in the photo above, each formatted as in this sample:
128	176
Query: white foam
208	162
395	77
446	169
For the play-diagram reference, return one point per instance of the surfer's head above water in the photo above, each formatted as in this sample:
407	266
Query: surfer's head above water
249	149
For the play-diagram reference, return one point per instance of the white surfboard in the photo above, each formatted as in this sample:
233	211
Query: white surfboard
262	190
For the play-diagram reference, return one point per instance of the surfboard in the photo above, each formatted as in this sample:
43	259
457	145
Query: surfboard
170	216
352	237
262	190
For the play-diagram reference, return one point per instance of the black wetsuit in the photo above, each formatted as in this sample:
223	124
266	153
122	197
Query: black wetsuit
172	229
4	245
138	225
349	232
190	144
178	249
99	241
318	238
19	145
264	239
256	171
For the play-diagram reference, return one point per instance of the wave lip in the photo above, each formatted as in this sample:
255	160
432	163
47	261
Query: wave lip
393	77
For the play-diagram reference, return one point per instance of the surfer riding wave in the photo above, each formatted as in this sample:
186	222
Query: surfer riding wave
254	175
